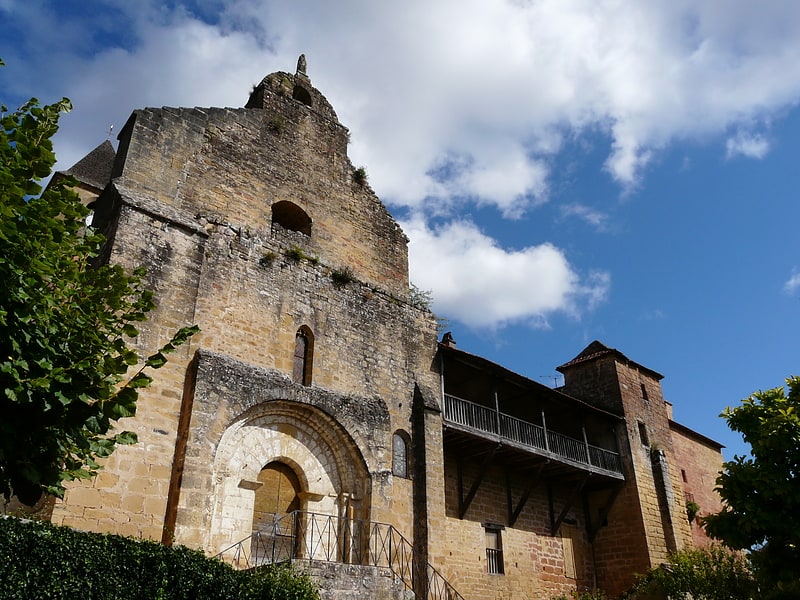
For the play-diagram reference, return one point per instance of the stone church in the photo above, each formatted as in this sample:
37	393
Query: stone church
317	416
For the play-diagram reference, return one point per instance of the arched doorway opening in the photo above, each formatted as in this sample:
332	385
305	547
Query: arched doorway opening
275	502
278	495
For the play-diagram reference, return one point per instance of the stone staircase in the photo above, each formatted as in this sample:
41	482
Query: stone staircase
350	559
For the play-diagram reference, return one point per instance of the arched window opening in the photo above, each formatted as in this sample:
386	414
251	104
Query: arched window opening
290	216
303	356
301	94
400	457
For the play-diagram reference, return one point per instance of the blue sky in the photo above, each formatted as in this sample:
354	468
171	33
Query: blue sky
566	170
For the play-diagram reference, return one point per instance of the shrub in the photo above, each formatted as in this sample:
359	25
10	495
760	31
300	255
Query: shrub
279	582
594	595
277	124
267	259
420	298
692	508
39	560
714	573
360	176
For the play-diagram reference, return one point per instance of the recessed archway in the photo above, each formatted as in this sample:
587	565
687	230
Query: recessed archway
290	216
295	445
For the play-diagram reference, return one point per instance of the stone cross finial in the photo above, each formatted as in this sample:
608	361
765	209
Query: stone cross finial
301	65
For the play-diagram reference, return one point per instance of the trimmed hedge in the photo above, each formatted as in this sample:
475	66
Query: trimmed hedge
40	560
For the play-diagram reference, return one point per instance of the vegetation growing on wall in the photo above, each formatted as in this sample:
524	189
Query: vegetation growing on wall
342	276
296	254
360	176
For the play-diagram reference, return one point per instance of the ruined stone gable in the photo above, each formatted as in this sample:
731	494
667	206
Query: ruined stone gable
252	224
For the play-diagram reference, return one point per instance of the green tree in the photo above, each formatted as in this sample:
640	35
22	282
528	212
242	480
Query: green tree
761	492
65	321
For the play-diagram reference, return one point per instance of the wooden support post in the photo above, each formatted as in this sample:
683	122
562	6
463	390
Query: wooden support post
496	409
586	443
544	428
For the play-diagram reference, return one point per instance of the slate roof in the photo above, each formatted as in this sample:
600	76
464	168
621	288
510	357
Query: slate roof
95	168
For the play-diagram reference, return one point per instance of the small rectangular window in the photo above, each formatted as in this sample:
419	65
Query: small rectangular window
644	392
643	434
494	550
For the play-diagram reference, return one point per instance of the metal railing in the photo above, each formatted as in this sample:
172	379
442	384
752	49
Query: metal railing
550	443
494	561
312	536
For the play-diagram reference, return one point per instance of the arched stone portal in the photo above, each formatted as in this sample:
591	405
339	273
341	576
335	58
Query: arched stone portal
317	457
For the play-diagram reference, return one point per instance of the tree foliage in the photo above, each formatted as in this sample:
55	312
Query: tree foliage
761	492
65	321
713	573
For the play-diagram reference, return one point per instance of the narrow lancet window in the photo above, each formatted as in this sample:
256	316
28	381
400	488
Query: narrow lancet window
303	356
399	455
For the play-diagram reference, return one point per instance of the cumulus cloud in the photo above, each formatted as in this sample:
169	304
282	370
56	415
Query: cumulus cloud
750	145
478	282
451	104
495	84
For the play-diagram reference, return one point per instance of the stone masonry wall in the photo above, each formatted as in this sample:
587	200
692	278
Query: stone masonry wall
699	462
534	559
232	165
658	477
647	520
620	548
129	496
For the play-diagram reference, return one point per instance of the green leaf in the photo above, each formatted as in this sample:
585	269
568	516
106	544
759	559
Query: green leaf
140	380
126	438
156	361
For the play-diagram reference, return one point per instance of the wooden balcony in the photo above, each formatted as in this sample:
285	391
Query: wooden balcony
490	424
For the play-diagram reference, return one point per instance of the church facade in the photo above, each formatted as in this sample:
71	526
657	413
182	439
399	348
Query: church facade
317	407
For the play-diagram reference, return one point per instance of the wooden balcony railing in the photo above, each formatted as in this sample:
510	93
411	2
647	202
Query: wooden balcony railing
542	441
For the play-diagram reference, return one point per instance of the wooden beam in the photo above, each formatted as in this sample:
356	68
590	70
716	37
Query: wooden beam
463	504
594	530
575	493
513	516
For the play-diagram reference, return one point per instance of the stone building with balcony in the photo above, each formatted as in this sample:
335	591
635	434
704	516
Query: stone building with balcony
317	417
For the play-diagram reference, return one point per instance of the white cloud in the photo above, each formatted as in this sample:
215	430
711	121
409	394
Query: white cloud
493	83
481	284
750	145
595	218
450	103
793	283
